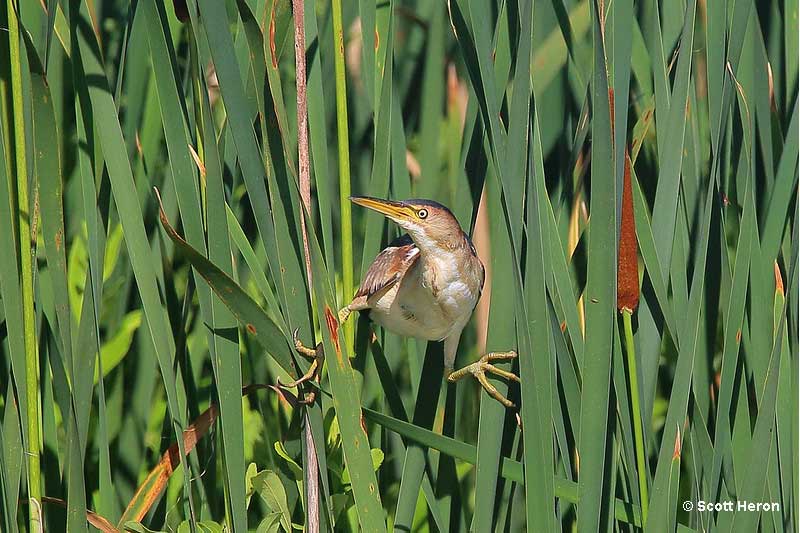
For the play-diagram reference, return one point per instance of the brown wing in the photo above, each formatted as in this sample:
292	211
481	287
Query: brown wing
389	266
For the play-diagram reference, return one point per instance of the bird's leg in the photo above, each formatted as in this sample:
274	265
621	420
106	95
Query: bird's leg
483	365
317	355
344	313
359	303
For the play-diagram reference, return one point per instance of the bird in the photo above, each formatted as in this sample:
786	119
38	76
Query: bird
425	284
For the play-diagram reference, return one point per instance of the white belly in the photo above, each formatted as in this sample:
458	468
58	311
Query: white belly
410	308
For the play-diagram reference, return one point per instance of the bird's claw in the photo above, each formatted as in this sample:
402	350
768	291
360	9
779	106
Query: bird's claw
317	355
310	374
484	365
302	349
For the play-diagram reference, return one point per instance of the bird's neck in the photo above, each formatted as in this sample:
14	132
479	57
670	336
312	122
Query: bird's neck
446	261
442	249
452	266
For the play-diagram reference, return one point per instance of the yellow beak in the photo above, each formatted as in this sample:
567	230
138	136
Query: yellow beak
389	208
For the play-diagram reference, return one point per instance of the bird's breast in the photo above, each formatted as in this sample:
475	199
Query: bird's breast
457	297
432	302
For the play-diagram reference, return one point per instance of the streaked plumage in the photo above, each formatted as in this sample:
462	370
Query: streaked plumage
431	299
389	266
426	283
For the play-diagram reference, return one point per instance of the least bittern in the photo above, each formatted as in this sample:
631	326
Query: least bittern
426	284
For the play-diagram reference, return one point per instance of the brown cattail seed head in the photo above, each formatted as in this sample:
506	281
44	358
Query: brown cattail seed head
628	267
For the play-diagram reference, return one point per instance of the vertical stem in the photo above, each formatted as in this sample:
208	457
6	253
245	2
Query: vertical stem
344	165
312	476
302	124
637	413
310	463
26	261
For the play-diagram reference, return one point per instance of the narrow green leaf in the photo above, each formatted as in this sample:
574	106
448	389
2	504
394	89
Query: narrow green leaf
510	469
104	119
247	311
679	397
600	298
763	434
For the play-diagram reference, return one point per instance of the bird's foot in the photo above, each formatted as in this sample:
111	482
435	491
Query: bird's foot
317	355
483	365
344	314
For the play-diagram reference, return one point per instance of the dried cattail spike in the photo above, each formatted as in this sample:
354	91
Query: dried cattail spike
778	279
772	105
628	267
197	161
676	450
611	110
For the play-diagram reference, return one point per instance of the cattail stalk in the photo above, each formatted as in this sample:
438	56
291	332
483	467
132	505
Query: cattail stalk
27	238
627	301
641	468
311	463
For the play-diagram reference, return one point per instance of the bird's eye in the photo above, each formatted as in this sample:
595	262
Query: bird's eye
422	213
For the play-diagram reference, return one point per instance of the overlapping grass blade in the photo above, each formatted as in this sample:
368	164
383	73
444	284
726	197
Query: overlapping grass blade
247	311
224	351
239	116
538	370
286	265
679	398
379	182
774	218
647	247
763	433
559	46
415	462
318	104
48	168
347	402
733	333
396	407
11	462
106	124
651	31
670	125
10	291
25	216
509	469
622	31
600	293
222	323
505	196
343	144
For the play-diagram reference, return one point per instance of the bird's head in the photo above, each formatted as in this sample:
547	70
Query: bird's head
427	222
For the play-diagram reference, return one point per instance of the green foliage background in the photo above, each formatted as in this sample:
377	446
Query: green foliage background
116	335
